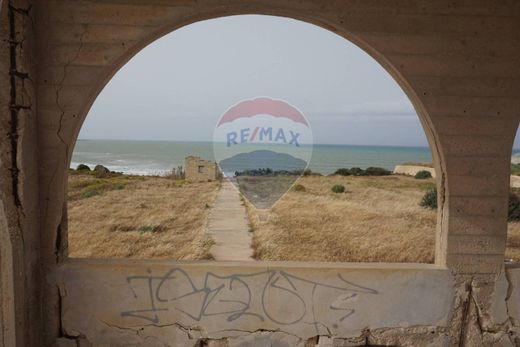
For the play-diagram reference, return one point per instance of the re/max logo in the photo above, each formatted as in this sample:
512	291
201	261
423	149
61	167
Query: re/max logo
263	135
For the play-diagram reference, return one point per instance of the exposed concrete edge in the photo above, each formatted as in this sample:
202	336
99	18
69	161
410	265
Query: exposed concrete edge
117	289
81	262
7	313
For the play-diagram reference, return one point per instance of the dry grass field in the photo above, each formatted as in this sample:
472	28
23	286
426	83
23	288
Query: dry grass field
138	217
377	219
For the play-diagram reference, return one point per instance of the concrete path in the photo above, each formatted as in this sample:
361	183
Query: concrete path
228	226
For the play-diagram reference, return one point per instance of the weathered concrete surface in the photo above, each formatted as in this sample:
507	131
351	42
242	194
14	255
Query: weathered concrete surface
284	304
513	296
209	300
412	170
457	61
20	295
228	226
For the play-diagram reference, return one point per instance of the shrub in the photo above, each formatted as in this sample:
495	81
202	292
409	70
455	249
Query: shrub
83	167
429	199
298	188
101	168
307	172
338	188
149	228
423	174
342	172
513	213
515	169
377	171
90	193
356	171
119	186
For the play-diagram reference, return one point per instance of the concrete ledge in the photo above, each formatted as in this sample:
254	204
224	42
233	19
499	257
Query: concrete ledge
110	301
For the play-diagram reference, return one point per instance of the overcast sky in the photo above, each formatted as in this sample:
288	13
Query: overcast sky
178	87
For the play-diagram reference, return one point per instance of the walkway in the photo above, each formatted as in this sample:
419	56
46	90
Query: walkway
228	226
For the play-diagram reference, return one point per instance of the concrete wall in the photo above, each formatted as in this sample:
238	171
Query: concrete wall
20	292
200	170
458	63
284	304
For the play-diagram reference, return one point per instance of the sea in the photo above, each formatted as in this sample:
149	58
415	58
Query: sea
160	157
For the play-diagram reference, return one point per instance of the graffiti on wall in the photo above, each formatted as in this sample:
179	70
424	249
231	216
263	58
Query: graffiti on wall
271	295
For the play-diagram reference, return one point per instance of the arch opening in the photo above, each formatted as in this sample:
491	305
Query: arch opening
104	184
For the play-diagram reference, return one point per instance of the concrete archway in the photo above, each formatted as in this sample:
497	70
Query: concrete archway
67	136
448	60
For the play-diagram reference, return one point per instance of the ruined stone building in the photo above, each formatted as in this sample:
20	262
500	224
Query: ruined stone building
200	170
457	60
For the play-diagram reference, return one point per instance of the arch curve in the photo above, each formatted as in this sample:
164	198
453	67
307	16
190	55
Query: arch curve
68	120
333	27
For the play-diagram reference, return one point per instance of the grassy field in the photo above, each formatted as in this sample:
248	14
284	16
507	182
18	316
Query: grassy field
123	216
377	219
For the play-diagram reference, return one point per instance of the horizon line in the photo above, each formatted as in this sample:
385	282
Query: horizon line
202	141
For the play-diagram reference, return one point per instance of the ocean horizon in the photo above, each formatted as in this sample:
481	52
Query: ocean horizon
159	157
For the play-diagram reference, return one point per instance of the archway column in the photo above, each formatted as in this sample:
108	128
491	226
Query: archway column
20	281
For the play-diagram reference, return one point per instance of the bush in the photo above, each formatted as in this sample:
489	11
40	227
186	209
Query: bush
101	168
119	186
423	174
342	172
515	169
377	171
298	188
90	193
338	188
429	199
83	167
513	212
355	171
149	228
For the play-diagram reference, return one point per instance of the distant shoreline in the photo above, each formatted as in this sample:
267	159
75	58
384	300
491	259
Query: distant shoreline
314	144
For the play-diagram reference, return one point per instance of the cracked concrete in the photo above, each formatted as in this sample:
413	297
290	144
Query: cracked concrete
19	246
477	311
457	62
16	77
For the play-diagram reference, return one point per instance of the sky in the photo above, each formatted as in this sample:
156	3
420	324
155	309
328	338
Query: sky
177	87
